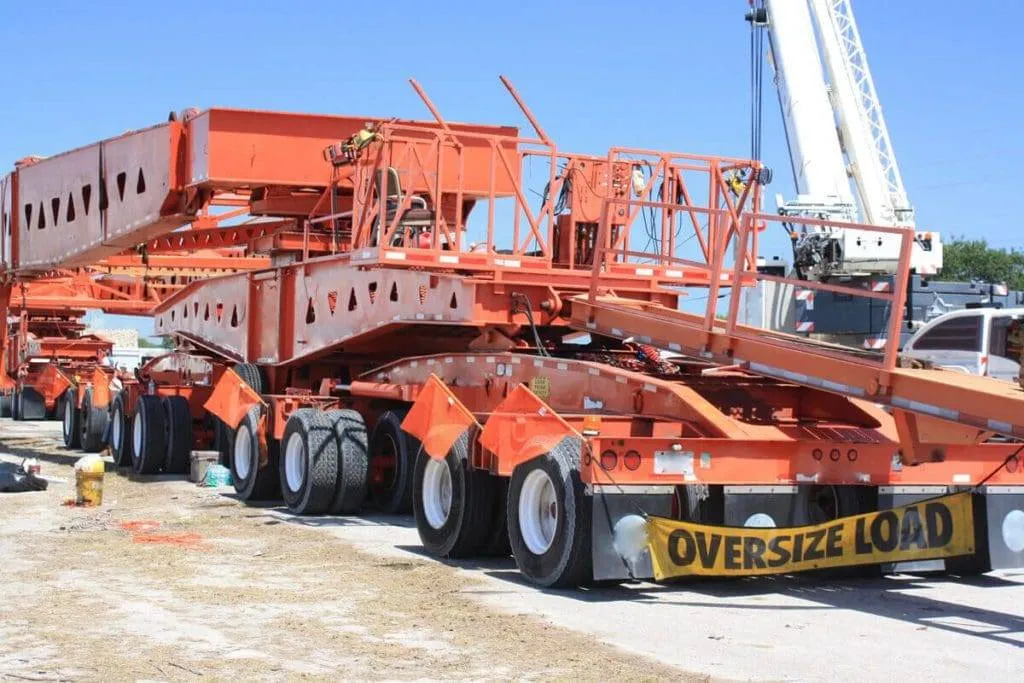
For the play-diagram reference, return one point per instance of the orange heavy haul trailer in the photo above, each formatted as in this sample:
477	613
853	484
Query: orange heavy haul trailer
523	372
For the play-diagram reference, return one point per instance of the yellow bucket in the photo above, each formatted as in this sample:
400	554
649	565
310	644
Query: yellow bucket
89	488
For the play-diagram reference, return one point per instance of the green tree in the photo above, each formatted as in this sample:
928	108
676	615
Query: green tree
964	259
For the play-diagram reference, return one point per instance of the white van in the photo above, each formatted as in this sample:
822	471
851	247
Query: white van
971	341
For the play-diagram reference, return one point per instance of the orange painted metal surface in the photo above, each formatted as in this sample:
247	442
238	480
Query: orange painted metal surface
437	418
521	428
232	399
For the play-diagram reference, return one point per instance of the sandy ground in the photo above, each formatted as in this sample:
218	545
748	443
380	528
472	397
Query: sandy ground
238	593
264	594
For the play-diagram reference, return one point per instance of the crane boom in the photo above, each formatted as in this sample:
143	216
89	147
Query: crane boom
836	131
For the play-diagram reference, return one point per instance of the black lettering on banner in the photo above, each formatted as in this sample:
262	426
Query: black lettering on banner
814	539
860	540
753	549
886	540
798	547
833	546
911	531
940	524
677	537
782	554
708	550
732	552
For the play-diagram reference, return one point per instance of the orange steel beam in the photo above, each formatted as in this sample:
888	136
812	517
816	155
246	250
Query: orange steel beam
215	238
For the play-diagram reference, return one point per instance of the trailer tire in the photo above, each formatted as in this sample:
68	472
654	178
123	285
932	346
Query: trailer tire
31	405
6	404
252	375
178	425
251	481
353	461
497	544
554	553
120	439
16	405
148	435
71	419
92	423
392	461
453	503
308	462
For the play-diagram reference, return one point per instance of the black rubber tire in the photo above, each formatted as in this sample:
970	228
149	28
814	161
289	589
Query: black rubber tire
253	375
567	562
467	526
392	493
149	418
16	405
497	544
353	461
92	424
178	423
316	459
71	419
120	438
31	404
260	483
6	405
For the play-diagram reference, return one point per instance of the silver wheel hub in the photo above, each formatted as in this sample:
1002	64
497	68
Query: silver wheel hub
137	433
538	512
241	454
295	462
437	493
115	430
68	415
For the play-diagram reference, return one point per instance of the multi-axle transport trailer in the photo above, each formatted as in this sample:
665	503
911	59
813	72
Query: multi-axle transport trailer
526	374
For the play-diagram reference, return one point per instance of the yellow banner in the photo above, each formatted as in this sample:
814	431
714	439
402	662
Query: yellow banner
935	528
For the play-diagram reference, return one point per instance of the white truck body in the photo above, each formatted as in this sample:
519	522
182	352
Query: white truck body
972	341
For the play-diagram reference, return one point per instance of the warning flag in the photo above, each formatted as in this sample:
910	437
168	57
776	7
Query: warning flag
521	428
232	399
437	418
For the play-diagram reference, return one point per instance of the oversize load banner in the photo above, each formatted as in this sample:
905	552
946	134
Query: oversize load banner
935	528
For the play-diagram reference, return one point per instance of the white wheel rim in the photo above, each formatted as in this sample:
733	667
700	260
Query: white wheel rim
242	453
68	412
295	462
538	512
115	430
437	493
137	434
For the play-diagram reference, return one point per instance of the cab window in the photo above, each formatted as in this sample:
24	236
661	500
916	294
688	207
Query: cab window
955	334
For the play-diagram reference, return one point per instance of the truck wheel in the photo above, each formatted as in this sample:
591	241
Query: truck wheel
549	518
120	441
253	375
16	405
251	481
353	461
6	403
308	462
31	404
392	460
453	503
497	544
92	423
70	420
148	436
178	424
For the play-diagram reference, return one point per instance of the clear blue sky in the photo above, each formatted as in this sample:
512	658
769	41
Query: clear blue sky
671	75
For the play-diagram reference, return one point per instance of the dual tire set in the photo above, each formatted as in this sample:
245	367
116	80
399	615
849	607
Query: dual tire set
24	404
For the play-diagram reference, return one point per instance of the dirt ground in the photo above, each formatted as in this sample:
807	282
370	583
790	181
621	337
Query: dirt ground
207	587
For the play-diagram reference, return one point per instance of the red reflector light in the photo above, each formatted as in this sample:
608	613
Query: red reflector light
631	460
609	459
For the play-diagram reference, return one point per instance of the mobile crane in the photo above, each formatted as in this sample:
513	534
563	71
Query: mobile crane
508	390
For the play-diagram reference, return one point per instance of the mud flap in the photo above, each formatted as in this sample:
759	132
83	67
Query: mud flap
612	504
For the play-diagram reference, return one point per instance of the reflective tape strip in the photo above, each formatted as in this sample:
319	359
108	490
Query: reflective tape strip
805	327
927	408
394	255
446	258
997	426
881	287
644	272
801	378
874	343
674	273
508	263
